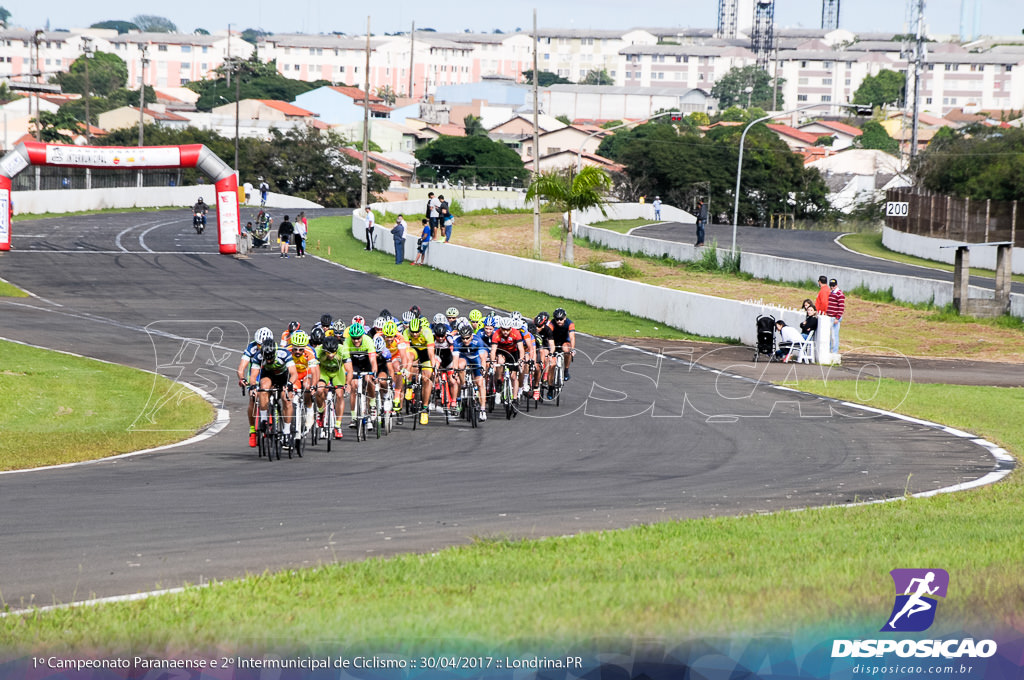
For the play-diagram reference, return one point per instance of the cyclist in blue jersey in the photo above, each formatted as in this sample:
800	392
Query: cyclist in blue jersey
275	370
251	356
470	353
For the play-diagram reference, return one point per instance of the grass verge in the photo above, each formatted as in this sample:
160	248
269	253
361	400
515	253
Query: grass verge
335	234
622	226
56	408
818	570
98	211
10	290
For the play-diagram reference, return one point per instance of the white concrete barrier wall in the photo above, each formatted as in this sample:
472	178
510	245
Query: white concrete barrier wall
75	200
417	209
931	249
634	211
692	312
913	289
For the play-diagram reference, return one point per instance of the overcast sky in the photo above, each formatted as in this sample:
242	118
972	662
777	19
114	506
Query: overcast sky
991	17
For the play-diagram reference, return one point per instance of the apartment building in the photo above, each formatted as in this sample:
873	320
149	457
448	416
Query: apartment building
573	54
174	59
682	67
24	53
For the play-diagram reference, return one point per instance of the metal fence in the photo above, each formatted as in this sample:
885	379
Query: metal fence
956	219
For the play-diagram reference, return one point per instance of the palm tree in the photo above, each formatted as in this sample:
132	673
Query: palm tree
568	191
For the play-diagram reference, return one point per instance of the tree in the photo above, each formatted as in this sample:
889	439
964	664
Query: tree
201	31
259	80
568	190
731	89
149	23
119	26
977	162
563	119
107	73
884	89
474	125
387	94
6	94
874	136
544	78
474	159
4	16
597	77
253	35
56	126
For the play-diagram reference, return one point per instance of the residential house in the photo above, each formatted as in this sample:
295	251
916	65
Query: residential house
515	131
342	105
570	138
843	135
569	158
795	139
128	116
858	176
596	102
266	110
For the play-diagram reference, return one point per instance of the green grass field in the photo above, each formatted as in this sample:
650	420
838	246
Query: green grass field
57	408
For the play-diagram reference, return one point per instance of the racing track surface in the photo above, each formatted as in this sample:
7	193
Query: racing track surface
636	438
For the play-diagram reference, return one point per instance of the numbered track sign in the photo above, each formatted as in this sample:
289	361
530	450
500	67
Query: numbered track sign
897	209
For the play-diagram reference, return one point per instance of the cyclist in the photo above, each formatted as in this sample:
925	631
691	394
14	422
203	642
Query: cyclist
316	336
452	316
396	344
420	357
544	343
476	318
250	357
332	376
360	357
563	337
307	370
445	358
385	368
470	353
338	329
507	349
286	335
527	329
440	318
275	370
325	322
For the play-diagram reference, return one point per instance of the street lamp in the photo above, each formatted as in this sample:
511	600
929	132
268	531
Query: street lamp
739	164
37	38
87	52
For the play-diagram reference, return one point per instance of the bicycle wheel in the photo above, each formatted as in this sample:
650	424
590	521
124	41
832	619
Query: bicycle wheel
329	422
263	440
378	417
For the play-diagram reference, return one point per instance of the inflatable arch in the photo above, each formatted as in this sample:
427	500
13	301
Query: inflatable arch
133	158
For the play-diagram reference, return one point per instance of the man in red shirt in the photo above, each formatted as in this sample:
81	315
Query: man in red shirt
836	309
821	302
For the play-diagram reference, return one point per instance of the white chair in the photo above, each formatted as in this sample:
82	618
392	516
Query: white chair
802	352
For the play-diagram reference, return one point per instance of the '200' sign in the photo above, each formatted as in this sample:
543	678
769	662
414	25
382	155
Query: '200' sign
897	209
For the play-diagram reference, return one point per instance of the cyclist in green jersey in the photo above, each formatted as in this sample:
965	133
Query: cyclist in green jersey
332	376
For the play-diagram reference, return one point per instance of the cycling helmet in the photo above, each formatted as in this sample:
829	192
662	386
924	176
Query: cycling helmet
416	325
466	331
385	313
355	331
440	318
407	316
359	320
476	316
517	319
541	319
379	322
294	326
451	312
338	327
300	339
269	352
489	321
558	314
415	309
439	330
390	329
331	344
530	327
262	335
505	323
461	320
317	336
379	344
325	320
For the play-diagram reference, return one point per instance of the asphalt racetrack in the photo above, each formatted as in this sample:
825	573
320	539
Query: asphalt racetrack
637	437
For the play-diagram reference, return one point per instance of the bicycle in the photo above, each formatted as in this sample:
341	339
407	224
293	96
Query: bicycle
414	401
526	378
300	430
469	399
508	392
386	405
269	433
556	378
442	396
361	412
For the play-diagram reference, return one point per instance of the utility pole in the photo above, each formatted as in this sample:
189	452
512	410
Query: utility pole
364	193
87	53
412	56
238	96
142	97
37	38
919	50
536	141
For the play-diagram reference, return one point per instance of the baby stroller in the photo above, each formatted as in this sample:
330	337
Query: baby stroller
765	337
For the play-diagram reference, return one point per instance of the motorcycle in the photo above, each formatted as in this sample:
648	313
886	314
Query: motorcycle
199	222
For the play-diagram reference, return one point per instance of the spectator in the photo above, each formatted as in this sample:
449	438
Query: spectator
264	190
247	188
422	244
836	309
810	323
657	208
285	232
371	222
821	302
790	336
702	220
448	220
398	233
301	231
441	211
433	210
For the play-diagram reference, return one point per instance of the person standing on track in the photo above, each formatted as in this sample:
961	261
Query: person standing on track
301	231
285	232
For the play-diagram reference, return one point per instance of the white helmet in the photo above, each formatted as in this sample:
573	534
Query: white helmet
262	335
440	318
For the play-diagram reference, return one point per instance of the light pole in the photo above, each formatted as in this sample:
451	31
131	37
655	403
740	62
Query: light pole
739	164
87	53
37	38
142	97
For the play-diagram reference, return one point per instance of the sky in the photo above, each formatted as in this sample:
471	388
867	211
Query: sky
984	17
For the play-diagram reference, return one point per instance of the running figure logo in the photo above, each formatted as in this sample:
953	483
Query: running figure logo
914	610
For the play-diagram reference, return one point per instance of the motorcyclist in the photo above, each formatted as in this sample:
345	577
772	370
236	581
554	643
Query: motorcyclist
200	209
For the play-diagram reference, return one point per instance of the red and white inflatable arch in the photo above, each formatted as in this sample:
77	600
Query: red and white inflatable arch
188	156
